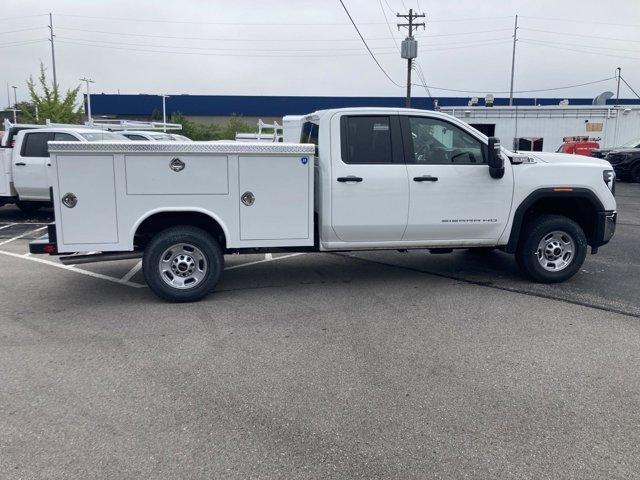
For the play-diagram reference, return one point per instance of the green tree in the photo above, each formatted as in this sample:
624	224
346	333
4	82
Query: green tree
196	131
51	105
235	124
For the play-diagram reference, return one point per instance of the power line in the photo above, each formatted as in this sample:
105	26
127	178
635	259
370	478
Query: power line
630	88
522	91
581	45
250	49
196	22
541	44
22	30
366	45
23	16
219	39
314	40
578	22
19	43
580	35
215	51
229	54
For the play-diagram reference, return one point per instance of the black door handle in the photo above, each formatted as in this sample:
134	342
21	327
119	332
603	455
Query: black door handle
20	164
425	178
350	178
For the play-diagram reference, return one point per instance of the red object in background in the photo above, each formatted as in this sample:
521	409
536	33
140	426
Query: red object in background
578	146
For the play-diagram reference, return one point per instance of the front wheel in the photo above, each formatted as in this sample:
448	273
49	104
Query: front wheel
182	264
552	250
635	174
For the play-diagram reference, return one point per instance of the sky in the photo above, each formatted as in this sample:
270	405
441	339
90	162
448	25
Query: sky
305	47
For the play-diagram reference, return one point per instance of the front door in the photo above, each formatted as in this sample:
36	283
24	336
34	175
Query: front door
453	197
369	188
30	166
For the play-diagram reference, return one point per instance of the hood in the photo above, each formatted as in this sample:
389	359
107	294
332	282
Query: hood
566	159
625	150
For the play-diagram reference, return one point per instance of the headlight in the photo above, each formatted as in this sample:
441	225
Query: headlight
609	177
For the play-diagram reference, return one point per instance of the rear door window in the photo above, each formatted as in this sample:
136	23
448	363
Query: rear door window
367	140
35	144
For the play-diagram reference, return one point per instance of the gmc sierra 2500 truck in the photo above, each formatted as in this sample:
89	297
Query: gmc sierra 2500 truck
361	179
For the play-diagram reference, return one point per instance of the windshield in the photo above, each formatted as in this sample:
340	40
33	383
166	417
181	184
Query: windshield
100	136
635	143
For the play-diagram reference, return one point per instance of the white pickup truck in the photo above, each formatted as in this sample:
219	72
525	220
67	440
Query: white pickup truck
24	161
361	179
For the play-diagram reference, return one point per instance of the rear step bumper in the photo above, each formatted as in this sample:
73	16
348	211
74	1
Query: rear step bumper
46	243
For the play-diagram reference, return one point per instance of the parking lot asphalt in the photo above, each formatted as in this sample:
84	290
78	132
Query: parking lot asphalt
366	365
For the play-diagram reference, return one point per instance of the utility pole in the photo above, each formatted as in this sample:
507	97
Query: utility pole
88	81
618	74
8	97
164	112
15	96
53	51
409	48
513	60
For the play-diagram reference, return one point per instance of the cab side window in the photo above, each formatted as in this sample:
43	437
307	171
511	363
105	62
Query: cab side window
35	144
437	142
366	140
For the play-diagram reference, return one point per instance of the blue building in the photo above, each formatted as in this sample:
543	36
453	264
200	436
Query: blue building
217	108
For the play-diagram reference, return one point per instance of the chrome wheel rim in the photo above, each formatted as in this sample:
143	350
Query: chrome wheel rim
556	251
183	266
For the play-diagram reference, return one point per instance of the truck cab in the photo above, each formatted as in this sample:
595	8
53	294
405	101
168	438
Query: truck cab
360	179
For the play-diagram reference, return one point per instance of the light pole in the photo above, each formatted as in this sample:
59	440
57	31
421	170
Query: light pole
88	81
15	103
164	112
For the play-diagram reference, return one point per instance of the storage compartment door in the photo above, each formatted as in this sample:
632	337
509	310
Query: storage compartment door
280	190
91	179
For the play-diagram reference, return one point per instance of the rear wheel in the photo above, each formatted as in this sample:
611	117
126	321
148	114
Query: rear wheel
182	264
635	174
552	250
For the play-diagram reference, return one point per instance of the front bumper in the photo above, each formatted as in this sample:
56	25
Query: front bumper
45	244
605	228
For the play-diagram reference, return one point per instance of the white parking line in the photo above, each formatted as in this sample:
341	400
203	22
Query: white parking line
8	225
22	235
129	275
74	269
262	261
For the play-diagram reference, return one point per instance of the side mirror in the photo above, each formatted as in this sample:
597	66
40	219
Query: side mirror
496	163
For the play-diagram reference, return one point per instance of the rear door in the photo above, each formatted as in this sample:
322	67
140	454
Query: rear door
453	197
369	187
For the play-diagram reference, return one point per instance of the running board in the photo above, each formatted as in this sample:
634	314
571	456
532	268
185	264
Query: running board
99	257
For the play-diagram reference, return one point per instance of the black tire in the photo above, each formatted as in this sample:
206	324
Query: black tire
635	174
530	258
205	260
29	208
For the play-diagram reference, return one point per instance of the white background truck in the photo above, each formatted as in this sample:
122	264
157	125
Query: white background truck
361	179
24	161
